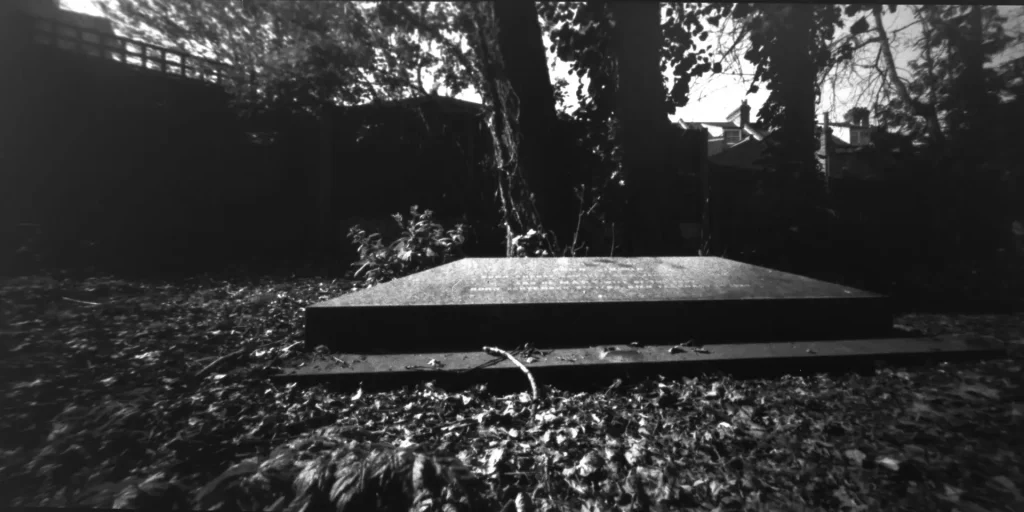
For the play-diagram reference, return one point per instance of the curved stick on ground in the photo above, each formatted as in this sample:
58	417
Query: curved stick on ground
495	351
217	362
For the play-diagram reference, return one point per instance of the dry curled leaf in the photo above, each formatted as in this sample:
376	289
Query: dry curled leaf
856	456
590	464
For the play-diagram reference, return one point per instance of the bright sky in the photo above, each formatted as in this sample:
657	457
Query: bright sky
712	97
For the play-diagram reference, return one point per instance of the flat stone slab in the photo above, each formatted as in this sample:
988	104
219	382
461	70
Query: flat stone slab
565	302
564	365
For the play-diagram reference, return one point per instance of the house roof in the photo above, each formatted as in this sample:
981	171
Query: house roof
720	124
742	155
755	131
836	141
416	101
848	125
444	103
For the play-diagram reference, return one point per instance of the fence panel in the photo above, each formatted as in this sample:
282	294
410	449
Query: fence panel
99	44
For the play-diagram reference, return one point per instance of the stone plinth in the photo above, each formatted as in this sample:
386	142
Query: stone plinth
570	302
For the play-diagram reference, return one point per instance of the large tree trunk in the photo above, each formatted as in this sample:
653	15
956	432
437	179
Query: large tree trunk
974	74
535	161
643	117
801	186
796	89
545	155
972	152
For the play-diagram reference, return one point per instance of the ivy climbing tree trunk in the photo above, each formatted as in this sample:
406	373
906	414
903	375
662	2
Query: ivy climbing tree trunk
535	162
643	118
547	160
792	28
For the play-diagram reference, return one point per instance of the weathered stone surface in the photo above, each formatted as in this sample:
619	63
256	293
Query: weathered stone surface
568	367
578	301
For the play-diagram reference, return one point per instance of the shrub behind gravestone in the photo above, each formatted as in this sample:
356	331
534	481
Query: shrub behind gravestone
422	244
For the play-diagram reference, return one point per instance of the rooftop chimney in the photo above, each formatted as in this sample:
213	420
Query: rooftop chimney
857	116
826	135
744	114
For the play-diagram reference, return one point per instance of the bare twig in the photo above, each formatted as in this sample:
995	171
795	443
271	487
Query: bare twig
361	269
738	38
579	223
220	360
495	351
612	253
915	106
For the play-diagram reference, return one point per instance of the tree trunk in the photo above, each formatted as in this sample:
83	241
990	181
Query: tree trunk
535	161
973	152
974	74
548	163
797	90
327	226
643	117
801	186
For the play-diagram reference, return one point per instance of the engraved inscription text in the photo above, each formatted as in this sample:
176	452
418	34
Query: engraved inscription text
595	279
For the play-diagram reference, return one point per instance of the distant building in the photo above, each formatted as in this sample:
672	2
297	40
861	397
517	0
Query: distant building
855	132
735	129
739	144
738	128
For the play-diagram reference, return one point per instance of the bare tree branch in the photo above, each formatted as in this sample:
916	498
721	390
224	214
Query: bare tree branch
917	108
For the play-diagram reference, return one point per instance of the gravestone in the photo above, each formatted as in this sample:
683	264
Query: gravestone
572	302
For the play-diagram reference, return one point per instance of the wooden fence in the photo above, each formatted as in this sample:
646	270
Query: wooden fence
95	43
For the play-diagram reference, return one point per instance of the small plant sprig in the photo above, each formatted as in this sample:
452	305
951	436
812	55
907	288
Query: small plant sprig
533	244
539	243
422	244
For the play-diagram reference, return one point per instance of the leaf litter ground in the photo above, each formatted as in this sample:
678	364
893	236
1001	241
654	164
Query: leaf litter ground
148	394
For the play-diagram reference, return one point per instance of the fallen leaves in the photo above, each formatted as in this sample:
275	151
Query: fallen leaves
114	386
1003	483
856	457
